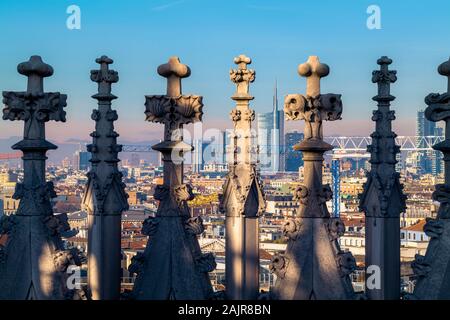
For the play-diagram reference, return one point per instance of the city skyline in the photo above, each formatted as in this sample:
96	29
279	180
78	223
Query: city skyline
276	44
240	150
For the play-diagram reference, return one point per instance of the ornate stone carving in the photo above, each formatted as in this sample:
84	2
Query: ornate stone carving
420	266
104	198
311	234
301	194
59	225
434	228
195	226
243	199
7	224
137	263
346	263
336	228
63	259
34	234
325	194
173	238
278	265
150	226
291	228
432	269
442	195
383	200
162	192
183	193
206	262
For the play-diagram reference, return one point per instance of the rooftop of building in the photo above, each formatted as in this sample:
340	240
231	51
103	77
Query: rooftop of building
418	227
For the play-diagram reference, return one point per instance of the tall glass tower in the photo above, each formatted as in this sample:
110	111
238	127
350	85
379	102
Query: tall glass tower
270	128
430	160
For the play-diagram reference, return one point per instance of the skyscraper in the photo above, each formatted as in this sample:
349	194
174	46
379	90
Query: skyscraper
135	160
270	128
197	156
429	160
293	158
81	160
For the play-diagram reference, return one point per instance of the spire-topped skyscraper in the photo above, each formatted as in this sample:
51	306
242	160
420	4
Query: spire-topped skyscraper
271	137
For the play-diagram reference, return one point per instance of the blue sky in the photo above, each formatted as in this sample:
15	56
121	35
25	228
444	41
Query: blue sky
206	34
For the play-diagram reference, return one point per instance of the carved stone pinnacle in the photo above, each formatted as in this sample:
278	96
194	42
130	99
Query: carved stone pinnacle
174	71
313	70
36	70
242	78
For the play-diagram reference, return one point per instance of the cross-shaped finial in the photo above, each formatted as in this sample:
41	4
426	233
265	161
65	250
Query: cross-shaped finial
173	109
34	106
313	107
104	77
384	77
36	70
242	61
242	77
444	69
174	71
313	70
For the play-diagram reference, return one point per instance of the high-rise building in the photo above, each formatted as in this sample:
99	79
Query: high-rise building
81	160
293	158
135	160
197	156
270	128
65	163
429	160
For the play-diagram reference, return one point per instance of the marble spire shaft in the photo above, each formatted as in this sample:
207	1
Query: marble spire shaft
105	198
242	199
34	261
383	200
313	267
432	270
172	265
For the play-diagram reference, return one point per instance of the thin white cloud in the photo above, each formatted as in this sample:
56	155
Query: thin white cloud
167	5
267	8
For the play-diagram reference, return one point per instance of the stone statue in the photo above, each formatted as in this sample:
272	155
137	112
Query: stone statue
34	261
243	199
172	265
105	198
313	267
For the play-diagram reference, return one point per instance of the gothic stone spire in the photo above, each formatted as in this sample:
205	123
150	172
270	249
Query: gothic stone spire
173	266
383	200
34	261
104	198
242	199
432	270
313	267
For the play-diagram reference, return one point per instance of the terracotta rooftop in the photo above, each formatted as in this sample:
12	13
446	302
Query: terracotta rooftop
353	222
417	227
